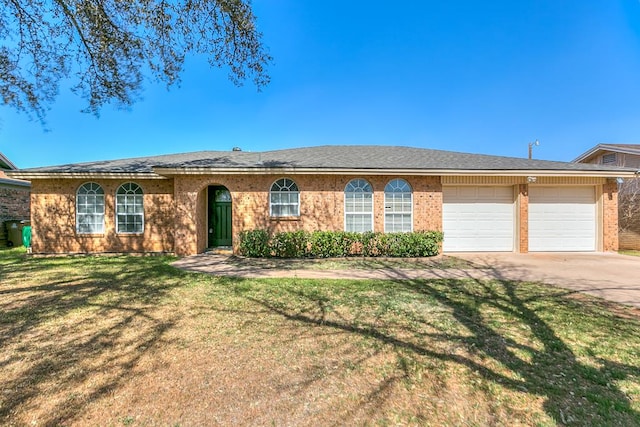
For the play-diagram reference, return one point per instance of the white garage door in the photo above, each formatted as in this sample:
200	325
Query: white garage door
477	219
562	219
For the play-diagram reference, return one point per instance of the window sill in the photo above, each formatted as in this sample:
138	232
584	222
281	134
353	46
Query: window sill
284	218
130	234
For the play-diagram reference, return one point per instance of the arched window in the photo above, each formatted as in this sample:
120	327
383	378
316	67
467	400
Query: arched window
129	209
284	198
398	207
90	209
358	206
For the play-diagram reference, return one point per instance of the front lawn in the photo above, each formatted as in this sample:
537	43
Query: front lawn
133	341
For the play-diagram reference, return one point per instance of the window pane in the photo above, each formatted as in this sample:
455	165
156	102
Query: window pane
398	206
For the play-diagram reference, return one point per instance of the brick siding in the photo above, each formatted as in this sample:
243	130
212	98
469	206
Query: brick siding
321	205
176	211
53	218
610	216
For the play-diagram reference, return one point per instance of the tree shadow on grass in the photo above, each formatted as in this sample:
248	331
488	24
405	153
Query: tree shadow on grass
507	335
69	341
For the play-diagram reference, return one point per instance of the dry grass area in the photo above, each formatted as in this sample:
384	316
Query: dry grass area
351	263
132	341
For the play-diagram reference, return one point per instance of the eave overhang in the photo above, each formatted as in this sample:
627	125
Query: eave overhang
83	175
169	172
14	183
166	173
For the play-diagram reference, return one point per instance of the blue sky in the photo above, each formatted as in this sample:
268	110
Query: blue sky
479	77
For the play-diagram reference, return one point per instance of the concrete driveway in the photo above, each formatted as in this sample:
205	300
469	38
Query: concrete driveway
606	275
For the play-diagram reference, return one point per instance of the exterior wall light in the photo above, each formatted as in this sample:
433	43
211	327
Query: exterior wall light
531	179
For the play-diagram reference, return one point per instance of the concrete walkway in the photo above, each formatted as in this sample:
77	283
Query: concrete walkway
605	275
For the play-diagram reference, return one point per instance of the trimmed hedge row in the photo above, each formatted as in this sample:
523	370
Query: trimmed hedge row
336	244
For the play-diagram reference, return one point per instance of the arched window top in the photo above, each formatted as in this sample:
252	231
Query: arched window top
358	185
90	188
129	188
284	184
397	186
222	195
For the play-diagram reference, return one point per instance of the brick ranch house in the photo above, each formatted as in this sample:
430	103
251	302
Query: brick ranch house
14	198
626	155
186	203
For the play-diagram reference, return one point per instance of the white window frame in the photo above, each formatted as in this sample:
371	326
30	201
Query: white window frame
284	188
358	189
90	199
130	204
394	207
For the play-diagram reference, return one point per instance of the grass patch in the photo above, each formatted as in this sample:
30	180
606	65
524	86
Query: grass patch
358	263
133	341
629	252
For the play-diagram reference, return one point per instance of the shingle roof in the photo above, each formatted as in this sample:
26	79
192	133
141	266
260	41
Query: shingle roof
330	157
631	146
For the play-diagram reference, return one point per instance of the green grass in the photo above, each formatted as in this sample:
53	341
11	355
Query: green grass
629	252
78	332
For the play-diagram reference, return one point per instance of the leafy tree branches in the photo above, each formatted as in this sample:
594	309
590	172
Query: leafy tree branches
109	46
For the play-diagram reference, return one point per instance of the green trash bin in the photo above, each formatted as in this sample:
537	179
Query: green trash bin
26	236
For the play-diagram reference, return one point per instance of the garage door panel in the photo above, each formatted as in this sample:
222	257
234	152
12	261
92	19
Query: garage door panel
478	219
562	219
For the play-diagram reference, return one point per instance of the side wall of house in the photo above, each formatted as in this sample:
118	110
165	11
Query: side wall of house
14	205
53	218
321	204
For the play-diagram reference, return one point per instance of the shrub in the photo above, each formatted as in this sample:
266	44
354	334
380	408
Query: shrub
289	244
254	243
334	244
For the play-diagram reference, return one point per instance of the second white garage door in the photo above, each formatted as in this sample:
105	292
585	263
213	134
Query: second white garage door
562	219
477	219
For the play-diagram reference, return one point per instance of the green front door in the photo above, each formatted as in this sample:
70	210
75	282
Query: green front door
219	217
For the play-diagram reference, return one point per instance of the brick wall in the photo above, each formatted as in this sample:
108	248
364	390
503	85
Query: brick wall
176	211
321	205
523	217
610	216
53	218
14	204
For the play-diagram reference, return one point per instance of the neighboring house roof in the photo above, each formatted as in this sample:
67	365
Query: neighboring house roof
6	163
618	148
323	159
5	166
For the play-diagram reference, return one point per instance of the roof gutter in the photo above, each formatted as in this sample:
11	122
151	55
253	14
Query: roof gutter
165	173
628	173
82	175
15	183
